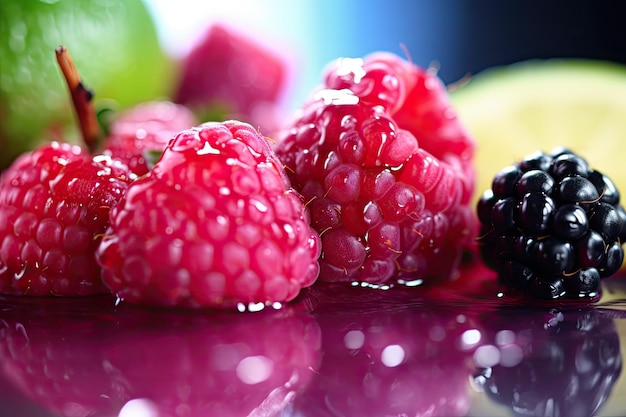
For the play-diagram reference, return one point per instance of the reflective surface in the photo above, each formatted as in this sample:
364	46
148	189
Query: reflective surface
460	349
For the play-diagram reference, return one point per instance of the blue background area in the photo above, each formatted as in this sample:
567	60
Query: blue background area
468	36
430	31
461	36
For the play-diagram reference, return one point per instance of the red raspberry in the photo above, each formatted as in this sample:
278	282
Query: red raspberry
415	97
54	205
388	199
229	75
144	128
214	223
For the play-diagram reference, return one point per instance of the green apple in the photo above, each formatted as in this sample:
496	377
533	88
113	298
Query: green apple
515	110
114	45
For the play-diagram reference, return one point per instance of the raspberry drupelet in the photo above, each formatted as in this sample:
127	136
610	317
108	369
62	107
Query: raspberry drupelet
214	224
144	128
387	171
54	204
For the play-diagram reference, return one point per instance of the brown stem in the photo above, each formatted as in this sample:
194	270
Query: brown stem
82	99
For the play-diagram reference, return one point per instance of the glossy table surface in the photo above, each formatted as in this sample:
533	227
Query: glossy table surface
457	349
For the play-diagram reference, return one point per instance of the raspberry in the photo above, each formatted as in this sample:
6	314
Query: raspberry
550	363
215	223
415	96
144	128
552	226
229	75
384	204
54	204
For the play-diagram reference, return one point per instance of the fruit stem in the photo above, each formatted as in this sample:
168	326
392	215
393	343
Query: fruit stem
82	99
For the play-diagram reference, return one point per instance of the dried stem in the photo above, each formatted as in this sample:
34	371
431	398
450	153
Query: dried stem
82	99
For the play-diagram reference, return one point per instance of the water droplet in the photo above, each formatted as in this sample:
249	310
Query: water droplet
208	149
347	66
254	307
413	283
336	97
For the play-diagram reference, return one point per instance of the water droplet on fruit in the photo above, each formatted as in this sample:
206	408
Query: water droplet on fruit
207	149
336	97
259	205
411	283
255	307
348	66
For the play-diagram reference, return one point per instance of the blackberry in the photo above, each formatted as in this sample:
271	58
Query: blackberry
552	227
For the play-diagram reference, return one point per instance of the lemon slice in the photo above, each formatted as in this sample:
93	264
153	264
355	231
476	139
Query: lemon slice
515	110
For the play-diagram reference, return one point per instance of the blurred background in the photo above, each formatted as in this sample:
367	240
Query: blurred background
131	51
461	37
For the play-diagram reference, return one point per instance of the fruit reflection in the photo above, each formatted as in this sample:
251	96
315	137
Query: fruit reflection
110	361
384	358
551	363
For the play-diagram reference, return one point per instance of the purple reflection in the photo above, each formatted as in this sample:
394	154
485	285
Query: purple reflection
549	363
385	360
337	351
121	362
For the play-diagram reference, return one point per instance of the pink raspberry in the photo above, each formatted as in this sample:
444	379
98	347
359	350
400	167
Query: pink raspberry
144	128
215	223
230	75
54	204
386	170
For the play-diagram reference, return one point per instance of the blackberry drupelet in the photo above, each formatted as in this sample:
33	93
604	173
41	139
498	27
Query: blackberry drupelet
552	227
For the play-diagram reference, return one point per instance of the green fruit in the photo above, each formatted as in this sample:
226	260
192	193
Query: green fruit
113	43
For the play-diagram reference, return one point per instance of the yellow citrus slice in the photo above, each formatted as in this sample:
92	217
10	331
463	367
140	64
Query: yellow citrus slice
515	110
